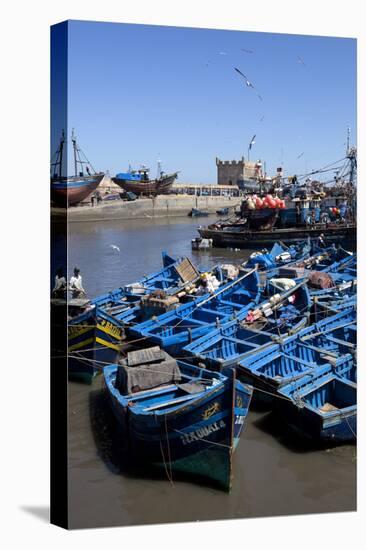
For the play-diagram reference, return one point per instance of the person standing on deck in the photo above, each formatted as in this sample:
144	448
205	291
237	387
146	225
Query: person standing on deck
59	290
321	242
76	285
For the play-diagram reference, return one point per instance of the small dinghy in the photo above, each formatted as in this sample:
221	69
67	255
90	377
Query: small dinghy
321	406
196	212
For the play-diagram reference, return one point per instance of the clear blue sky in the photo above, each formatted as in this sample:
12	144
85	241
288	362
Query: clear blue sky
140	92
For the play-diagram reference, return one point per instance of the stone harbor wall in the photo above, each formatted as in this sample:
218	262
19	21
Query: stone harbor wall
160	206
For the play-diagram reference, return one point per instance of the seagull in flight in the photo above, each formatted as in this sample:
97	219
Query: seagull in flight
115	247
300	60
261	119
247	82
299	156
246	51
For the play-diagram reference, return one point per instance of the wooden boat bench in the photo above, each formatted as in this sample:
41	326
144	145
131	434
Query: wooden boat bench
173	402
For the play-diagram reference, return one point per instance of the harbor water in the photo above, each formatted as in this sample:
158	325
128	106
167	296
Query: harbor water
273	474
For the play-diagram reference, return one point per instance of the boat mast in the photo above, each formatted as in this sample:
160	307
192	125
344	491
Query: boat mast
80	158
351	154
159	169
73	139
59	155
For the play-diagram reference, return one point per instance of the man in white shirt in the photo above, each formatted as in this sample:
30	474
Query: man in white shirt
76	284
59	290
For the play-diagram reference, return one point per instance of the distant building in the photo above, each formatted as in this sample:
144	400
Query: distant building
236	172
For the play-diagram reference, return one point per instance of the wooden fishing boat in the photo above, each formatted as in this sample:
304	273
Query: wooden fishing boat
321	406
307	213
96	330
175	329
94	340
138	182
196	212
226	345
222	211
179	418
238	236
70	190
279	255
327	343
336	333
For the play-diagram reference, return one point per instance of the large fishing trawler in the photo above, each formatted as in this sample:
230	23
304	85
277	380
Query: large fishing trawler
70	190
295	209
140	183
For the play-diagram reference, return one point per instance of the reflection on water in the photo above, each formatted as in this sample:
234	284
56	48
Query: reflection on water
273	475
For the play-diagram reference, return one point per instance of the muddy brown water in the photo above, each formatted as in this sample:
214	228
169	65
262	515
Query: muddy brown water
273	474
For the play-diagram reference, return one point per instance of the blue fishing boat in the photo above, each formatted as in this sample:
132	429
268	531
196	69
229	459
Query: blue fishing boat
329	343
332	304
96	329
178	417
196	212
140	183
222	211
226	345
335	334
94	340
276	366
175	329
279	255
321	406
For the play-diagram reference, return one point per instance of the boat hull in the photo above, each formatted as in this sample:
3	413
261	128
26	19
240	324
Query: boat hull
257	239
151	187
94	340
69	191
196	213
307	425
198	438
175	329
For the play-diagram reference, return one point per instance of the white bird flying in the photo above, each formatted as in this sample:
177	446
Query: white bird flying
247	82
115	247
252	142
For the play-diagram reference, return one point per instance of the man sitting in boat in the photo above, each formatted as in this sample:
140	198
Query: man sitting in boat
76	285
59	290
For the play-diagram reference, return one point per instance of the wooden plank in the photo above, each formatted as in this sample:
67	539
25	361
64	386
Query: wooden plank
186	270
145	356
172	402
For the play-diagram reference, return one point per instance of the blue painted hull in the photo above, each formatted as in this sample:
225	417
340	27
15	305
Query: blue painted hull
196	438
94	340
173	330
322	406
310	426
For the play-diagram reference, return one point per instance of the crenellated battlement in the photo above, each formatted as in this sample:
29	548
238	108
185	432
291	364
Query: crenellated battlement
233	172
230	162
